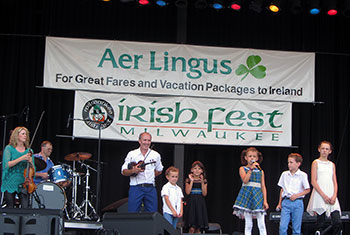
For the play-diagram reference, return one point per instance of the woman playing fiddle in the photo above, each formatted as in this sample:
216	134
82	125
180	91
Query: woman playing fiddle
16	155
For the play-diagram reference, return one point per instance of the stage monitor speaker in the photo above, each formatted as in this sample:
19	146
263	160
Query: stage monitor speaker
16	221
138	223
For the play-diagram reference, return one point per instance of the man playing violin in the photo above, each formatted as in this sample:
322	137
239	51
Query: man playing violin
142	165
46	150
16	155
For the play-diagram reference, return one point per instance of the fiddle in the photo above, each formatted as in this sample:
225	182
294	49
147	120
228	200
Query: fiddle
29	172
141	164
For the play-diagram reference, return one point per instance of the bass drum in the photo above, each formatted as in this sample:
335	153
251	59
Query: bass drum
49	195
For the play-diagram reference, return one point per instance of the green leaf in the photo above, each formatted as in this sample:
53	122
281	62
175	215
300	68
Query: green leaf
244	76
242	69
253	60
258	71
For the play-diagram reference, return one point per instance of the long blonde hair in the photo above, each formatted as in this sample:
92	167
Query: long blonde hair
14	136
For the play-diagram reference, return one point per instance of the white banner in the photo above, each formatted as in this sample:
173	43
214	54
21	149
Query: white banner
171	69
182	119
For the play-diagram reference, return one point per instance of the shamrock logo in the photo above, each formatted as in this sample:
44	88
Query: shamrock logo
258	71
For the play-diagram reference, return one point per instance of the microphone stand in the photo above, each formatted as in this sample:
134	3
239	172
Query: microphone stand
4	118
98	170
86	203
98	160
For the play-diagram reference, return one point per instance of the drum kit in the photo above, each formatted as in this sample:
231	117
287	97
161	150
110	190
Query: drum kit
51	194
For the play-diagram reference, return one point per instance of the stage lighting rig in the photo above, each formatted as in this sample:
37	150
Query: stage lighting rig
218	4
314	7
200	4
275	6
256	5
331	7
346	8
236	5
162	3
143	2
296	6
181	3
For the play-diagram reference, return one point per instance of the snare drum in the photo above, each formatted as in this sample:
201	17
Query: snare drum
50	195
60	173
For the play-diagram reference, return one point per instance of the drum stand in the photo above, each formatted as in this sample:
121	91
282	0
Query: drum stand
86	203
67	214
40	205
75	210
37	199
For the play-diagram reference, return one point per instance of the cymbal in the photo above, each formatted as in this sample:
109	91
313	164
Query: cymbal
39	164
78	156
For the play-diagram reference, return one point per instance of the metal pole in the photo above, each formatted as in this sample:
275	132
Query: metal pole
3	147
87	188
98	171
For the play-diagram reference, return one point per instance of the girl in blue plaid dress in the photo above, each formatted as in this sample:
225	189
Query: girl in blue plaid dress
251	201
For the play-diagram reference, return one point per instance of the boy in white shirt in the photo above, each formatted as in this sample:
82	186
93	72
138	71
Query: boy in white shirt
172	197
294	186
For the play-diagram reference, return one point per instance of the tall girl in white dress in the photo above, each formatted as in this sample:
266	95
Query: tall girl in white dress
323	201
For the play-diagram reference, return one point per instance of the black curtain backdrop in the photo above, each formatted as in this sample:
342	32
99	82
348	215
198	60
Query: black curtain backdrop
24	25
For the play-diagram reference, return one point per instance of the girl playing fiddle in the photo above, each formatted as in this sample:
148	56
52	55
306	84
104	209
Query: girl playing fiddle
14	162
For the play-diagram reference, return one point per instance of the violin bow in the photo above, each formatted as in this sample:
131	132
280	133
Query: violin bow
36	129
31	189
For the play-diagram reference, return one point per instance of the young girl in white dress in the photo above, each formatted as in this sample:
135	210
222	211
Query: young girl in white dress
323	201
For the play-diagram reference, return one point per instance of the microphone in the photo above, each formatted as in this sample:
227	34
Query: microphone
68	120
27	113
257	166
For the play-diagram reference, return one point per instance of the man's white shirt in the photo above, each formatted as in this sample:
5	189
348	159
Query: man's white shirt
146	177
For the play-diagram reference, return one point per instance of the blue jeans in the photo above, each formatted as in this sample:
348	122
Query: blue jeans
171	219
145	195
291	210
